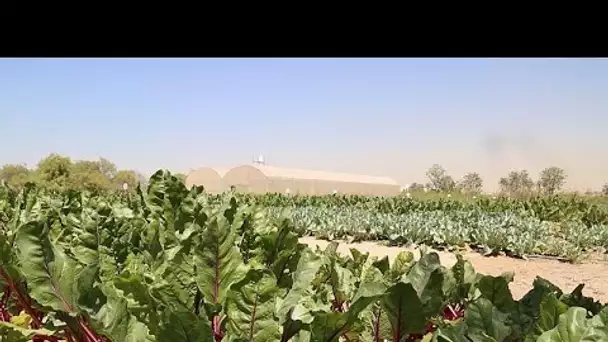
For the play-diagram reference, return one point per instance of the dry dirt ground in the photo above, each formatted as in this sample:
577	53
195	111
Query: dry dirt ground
593	273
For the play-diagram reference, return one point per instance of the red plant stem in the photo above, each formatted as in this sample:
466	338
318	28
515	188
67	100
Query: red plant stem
397	333
377	326
20	299
217	328
89	334
69	334
5	316
453	311
25	305
6	295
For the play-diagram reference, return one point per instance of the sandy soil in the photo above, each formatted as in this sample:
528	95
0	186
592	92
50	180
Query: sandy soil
593	273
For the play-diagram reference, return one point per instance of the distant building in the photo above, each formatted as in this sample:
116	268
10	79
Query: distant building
209	178
260	178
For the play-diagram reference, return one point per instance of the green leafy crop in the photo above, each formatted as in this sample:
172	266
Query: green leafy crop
171	264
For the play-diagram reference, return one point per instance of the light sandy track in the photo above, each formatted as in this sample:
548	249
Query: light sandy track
594	274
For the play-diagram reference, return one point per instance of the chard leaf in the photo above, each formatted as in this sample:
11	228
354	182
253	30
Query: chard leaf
294	310
175	288
132	287
14	332
329	326
301	336
453	333
485	322
404	310
307	269
55	280
574	326
528	310
598	328
551	309
356	263
342	284
376	325
496	290
383	265
217	261
427	278
114	321
183	326
401	265
250	308
420	273
465	278
576	298
280	251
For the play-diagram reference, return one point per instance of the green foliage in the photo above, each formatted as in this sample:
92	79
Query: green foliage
180	176
558	225
471	183
556	209
517	184
15	176
125	177
88	175
54	172
440	180
59	173
567	227
551	180
171	264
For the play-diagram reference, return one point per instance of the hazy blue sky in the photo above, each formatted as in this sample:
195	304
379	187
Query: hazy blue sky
393	117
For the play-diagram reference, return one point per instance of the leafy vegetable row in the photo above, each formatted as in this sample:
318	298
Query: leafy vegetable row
491	233
556	208
175	265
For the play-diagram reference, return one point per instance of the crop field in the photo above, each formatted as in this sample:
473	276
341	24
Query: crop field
564	228
166	263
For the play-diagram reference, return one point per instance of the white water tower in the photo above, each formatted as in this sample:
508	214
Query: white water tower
259	160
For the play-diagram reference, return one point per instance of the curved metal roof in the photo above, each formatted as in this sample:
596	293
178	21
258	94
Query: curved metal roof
280	172
221	171
203	175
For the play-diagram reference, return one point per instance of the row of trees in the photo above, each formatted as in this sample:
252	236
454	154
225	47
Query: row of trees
61	172
516	183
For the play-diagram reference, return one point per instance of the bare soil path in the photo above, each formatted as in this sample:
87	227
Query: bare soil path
593	273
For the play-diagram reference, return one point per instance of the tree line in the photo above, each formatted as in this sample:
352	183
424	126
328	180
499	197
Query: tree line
516	183
59	172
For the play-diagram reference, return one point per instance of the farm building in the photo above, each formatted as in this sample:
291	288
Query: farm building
261	178
210	178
